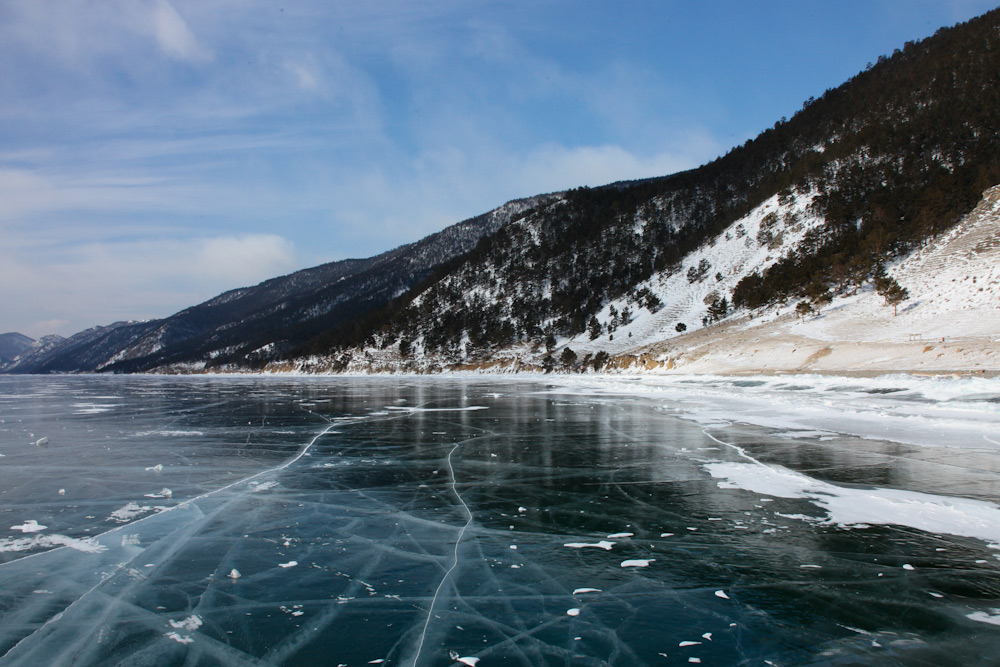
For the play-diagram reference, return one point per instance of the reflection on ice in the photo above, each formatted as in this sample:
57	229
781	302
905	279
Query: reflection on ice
485	526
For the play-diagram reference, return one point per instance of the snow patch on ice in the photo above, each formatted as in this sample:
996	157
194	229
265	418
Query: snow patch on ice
88	545
983	617
191	623
129	512
258	487
849	507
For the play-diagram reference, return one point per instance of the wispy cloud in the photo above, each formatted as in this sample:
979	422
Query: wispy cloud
175	37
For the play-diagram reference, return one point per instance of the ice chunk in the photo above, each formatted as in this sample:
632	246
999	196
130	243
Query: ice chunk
42	442
180	639
620	535
603	544
157	468
472	662
575	611
721	594
688	643
29	526
577	591
291	563
637	562
234	574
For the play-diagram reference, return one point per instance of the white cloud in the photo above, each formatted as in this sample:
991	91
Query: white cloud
76	287
556	167
242	260
174	36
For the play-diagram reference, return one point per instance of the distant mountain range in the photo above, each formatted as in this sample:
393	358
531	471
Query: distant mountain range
830	203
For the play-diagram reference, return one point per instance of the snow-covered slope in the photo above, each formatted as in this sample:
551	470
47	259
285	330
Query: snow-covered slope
753	243
950	322
953	285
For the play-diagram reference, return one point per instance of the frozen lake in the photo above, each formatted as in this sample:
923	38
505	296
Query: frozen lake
402	521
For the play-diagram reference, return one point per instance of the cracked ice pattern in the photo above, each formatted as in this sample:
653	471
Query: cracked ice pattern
372	522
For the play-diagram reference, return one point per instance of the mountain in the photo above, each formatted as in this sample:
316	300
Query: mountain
271	317
816	207
822	218
13	344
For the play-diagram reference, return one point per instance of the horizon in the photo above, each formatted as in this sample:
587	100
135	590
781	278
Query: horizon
159	154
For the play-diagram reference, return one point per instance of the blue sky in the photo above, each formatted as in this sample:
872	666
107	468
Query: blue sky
154	153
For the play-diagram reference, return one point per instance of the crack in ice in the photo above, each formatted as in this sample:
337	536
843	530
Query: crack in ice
454	563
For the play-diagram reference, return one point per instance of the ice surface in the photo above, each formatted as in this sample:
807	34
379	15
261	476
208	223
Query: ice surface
400	523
